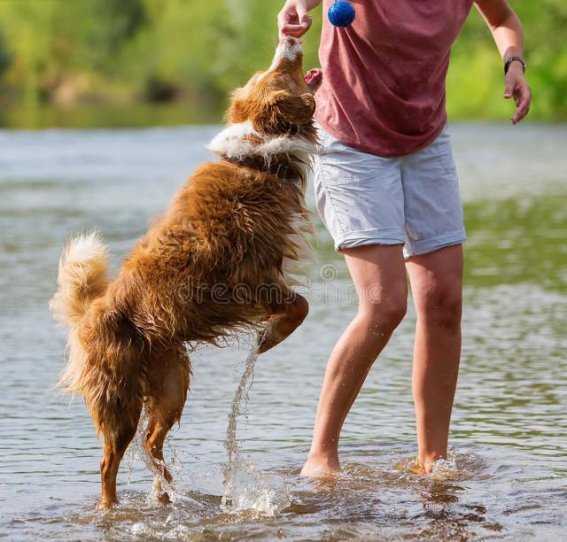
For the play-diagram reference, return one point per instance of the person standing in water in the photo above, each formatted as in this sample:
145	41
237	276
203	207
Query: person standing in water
387	191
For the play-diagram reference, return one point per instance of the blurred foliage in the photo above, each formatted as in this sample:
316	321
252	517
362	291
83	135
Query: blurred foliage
69	53
475	85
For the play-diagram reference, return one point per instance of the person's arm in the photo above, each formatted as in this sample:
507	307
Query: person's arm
509	37
293	19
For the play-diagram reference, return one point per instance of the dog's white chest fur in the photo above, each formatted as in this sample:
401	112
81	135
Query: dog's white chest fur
240	140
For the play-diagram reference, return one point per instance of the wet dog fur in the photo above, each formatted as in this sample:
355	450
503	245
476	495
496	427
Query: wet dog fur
217	262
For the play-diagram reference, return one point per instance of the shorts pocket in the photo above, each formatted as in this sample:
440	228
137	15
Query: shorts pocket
444	153
364	204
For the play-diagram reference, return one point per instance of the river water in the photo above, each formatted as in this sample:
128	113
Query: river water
507	474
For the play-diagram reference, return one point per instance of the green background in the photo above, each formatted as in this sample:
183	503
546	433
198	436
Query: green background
144	62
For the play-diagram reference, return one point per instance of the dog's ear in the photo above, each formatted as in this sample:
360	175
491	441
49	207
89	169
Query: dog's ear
285	112
296	109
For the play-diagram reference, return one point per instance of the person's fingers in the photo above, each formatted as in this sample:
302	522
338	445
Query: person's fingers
516	87
508	87
293	21
287	17
295	30
306	21
523	104
517	95
302	15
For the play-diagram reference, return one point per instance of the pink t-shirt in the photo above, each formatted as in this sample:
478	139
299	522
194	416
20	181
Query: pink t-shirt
383	88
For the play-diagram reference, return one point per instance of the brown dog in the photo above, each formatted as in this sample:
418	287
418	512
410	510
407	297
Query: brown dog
217	262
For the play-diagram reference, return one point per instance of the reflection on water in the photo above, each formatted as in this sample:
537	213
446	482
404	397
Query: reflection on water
506	476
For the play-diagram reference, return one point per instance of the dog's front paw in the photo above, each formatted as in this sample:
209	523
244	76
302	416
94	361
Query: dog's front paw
161	496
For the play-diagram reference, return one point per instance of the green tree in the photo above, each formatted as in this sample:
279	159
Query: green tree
121	51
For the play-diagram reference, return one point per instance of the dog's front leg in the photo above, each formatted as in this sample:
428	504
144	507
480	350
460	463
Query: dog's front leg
283	320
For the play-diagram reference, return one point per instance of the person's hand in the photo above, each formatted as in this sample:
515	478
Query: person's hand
516	87
293	19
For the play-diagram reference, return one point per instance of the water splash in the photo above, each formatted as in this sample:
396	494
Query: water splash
459	465
245	487
161	491
242	392
445	469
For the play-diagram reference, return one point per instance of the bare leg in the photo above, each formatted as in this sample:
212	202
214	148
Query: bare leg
379	276
284	320
169	382
436	281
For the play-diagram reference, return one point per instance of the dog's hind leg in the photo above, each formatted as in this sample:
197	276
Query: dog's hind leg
168	384
284	319
116	414
116	409
113	394
116	442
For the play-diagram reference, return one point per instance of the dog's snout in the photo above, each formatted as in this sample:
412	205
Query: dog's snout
288	49
290	41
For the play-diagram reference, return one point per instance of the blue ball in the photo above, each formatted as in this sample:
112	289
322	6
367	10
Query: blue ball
341	13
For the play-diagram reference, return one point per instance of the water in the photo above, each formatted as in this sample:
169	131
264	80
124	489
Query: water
505	479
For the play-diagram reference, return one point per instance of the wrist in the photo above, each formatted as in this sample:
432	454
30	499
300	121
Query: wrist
514	63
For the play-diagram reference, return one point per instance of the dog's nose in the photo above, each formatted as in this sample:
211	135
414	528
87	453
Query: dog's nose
290	41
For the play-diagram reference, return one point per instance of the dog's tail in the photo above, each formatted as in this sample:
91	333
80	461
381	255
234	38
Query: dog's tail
83	276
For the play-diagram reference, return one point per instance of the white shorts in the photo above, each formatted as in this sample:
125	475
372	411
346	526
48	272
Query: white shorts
364	199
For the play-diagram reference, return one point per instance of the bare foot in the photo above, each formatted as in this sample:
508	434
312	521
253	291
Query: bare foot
416	466
426	465
320	467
